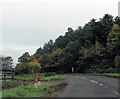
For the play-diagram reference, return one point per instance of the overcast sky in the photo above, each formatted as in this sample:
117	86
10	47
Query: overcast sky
28	24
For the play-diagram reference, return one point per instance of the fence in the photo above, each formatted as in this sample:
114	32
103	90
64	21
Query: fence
7	74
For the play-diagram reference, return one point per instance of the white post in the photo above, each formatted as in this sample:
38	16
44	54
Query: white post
72	69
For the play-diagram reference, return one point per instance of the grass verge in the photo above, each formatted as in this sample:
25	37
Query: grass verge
43	78
106	74
28	91
8	84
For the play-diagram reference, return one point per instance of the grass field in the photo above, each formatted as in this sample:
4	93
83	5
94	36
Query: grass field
28	91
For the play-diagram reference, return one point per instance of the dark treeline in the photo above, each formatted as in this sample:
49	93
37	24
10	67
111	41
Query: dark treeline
93	48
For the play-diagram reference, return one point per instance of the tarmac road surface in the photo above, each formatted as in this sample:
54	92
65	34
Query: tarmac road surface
90	86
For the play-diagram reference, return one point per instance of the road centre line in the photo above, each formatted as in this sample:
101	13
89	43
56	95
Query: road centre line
116	93
101	84
83	77
97	82
93	81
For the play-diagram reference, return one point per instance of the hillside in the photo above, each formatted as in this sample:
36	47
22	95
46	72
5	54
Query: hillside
93	48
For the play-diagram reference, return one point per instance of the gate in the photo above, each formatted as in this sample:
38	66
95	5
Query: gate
7	74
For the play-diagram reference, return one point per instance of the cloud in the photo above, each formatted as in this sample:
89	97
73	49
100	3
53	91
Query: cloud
16	50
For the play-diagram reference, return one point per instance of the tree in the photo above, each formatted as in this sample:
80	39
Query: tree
7	63
70	29
39	51
34	67
47	48
92	47
45	60
24	58
113	40
55	57
117	62
105	25
22	68
117	20
60	42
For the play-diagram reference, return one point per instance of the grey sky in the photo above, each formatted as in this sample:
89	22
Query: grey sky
28	24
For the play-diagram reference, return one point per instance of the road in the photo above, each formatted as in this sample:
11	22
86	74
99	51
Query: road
90	86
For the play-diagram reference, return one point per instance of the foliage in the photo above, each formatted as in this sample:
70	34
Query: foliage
6	62
113	39
117	61
95	47
34	67
24	58
22	68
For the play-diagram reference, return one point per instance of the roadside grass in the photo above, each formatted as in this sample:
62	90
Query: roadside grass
28	91
30	77
106	74
7	84
56	77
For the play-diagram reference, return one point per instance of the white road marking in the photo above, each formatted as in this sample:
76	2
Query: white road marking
116	93
101	84
83	77
93	81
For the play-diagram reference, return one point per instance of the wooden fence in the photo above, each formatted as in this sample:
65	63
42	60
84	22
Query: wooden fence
7	74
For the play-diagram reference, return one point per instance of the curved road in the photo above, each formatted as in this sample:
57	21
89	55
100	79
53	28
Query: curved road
90	86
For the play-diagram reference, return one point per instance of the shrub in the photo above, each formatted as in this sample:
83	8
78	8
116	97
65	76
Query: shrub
34	67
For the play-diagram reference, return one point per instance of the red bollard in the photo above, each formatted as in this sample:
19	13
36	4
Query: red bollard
36	83
36	80
39	79
39	82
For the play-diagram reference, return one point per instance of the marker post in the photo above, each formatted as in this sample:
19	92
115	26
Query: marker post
39	82
36	83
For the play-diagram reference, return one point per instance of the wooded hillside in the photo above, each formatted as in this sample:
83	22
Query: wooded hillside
93	48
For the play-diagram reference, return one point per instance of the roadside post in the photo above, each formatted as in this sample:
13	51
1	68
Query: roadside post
36	83
72	70
39	82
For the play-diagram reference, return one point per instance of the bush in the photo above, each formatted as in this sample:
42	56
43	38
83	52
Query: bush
22	68
34	67
25	68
